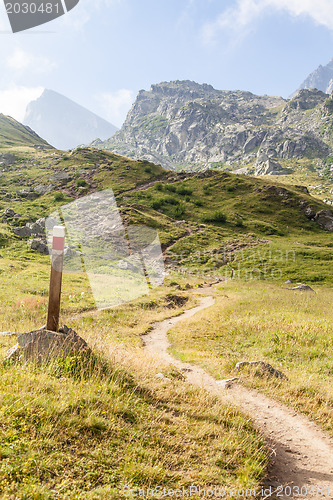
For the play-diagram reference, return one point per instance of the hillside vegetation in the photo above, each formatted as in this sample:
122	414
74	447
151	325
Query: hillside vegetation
13	133
85	431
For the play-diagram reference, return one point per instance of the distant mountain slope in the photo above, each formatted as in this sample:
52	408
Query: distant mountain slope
64	123
183	124
203	219
13	133
321	79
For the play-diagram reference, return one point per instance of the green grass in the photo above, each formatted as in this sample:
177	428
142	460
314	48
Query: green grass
13	133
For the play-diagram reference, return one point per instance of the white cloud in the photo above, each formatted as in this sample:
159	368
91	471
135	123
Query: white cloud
240	18
14	100
114	106
20	61
77	18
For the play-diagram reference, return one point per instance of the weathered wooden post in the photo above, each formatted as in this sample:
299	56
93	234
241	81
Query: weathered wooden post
57	259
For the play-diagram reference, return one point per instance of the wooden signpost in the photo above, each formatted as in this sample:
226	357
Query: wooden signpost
57	259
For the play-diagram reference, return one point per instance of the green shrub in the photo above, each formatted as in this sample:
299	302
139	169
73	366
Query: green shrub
171	200
81	183
59	197
198	203
183	191
170	187
156	204
159	186
217	216
179	212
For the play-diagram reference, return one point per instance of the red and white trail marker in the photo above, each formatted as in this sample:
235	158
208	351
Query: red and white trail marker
57	259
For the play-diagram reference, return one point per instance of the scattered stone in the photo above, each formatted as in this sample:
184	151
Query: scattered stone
31	228
308	210
42	189
161	376
227	383
39	245
266	367
69	252
36	228
7	159
302	288
28	193
22	232
288	282
122	265
60	176
9	212
41	346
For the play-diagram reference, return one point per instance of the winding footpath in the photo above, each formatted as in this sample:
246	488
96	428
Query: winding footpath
302	454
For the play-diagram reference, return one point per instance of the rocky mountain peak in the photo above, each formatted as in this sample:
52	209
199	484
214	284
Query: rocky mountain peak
183	124
321	79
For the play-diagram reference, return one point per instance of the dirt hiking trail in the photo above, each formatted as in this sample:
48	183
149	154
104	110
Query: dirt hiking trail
302	454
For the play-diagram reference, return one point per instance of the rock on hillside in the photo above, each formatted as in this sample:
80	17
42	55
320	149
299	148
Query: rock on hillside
64	123
183	124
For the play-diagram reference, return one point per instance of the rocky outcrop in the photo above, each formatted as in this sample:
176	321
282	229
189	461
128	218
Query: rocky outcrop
267	166
31	228
183	124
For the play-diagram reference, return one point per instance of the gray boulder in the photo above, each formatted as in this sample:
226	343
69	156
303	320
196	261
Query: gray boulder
60	177
42	346
308	210
42	189
269	167
324	219
22	232
39	245
265	367
9	212
302	288
36	229
28	193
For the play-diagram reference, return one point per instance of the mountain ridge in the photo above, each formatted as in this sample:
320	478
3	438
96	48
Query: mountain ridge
182	124
64	123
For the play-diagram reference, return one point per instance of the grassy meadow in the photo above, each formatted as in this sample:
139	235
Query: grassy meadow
255	320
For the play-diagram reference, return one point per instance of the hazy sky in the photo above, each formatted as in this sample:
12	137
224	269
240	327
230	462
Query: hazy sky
103	52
